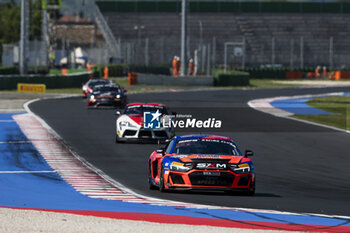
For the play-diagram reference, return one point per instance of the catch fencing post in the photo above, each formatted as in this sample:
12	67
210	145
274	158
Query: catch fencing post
184	38
301	52
331	52
24	37
291	53
273	51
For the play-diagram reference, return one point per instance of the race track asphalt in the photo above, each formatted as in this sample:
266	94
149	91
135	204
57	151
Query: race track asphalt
299	167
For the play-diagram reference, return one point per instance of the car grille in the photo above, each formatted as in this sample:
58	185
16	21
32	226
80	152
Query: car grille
105	98
244	180
129	132
107	101
145	134
225	179
177	179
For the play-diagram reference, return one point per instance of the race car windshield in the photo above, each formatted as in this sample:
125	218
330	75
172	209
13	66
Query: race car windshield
205	146
97	82
141	109
107	89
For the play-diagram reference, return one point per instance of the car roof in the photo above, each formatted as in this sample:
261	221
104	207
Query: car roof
202	136
107	85
99	80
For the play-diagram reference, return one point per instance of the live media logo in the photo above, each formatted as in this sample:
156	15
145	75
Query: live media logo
151	120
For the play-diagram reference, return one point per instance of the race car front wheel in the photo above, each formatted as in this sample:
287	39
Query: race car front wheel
118	139
150	184
161	180
251	190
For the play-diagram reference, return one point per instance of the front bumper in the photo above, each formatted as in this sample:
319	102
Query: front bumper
220	180
106	102
132	134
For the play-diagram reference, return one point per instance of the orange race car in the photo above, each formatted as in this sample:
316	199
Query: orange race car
208	162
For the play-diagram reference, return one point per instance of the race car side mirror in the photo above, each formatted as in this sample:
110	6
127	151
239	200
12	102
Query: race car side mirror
124	90
163	142
248	153
118	113
160	151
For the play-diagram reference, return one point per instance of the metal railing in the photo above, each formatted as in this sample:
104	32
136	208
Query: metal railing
112	44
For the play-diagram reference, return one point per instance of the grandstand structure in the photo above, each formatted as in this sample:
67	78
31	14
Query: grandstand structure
291	34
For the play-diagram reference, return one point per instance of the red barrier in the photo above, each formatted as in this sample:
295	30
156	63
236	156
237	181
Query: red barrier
293	75
132	78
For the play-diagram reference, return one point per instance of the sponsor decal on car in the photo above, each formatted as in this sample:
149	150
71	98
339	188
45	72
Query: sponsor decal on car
211	166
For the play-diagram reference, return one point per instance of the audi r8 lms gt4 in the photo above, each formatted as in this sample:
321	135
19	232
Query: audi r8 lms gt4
89	85
130	124
197	162
107	95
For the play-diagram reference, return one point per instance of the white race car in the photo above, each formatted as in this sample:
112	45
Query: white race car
143	122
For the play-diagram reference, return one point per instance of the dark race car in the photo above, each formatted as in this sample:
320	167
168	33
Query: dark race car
107	95
89	85
197	162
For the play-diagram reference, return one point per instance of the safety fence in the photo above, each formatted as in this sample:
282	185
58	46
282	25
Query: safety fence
225	7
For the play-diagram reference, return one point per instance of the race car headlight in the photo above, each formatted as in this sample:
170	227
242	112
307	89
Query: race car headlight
180	167
117	96
240	168
92	97
126	124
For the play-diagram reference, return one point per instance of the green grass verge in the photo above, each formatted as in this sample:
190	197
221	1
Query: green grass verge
70	71
339	105
270	83
123	81
64	91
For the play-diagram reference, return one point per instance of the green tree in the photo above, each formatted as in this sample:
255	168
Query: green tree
10	22
35	19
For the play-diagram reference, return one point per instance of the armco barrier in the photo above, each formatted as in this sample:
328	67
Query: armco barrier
9	82
232	80
166	80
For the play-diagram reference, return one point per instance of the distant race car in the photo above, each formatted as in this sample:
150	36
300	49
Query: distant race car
130	127
89	85
197	162
107	95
